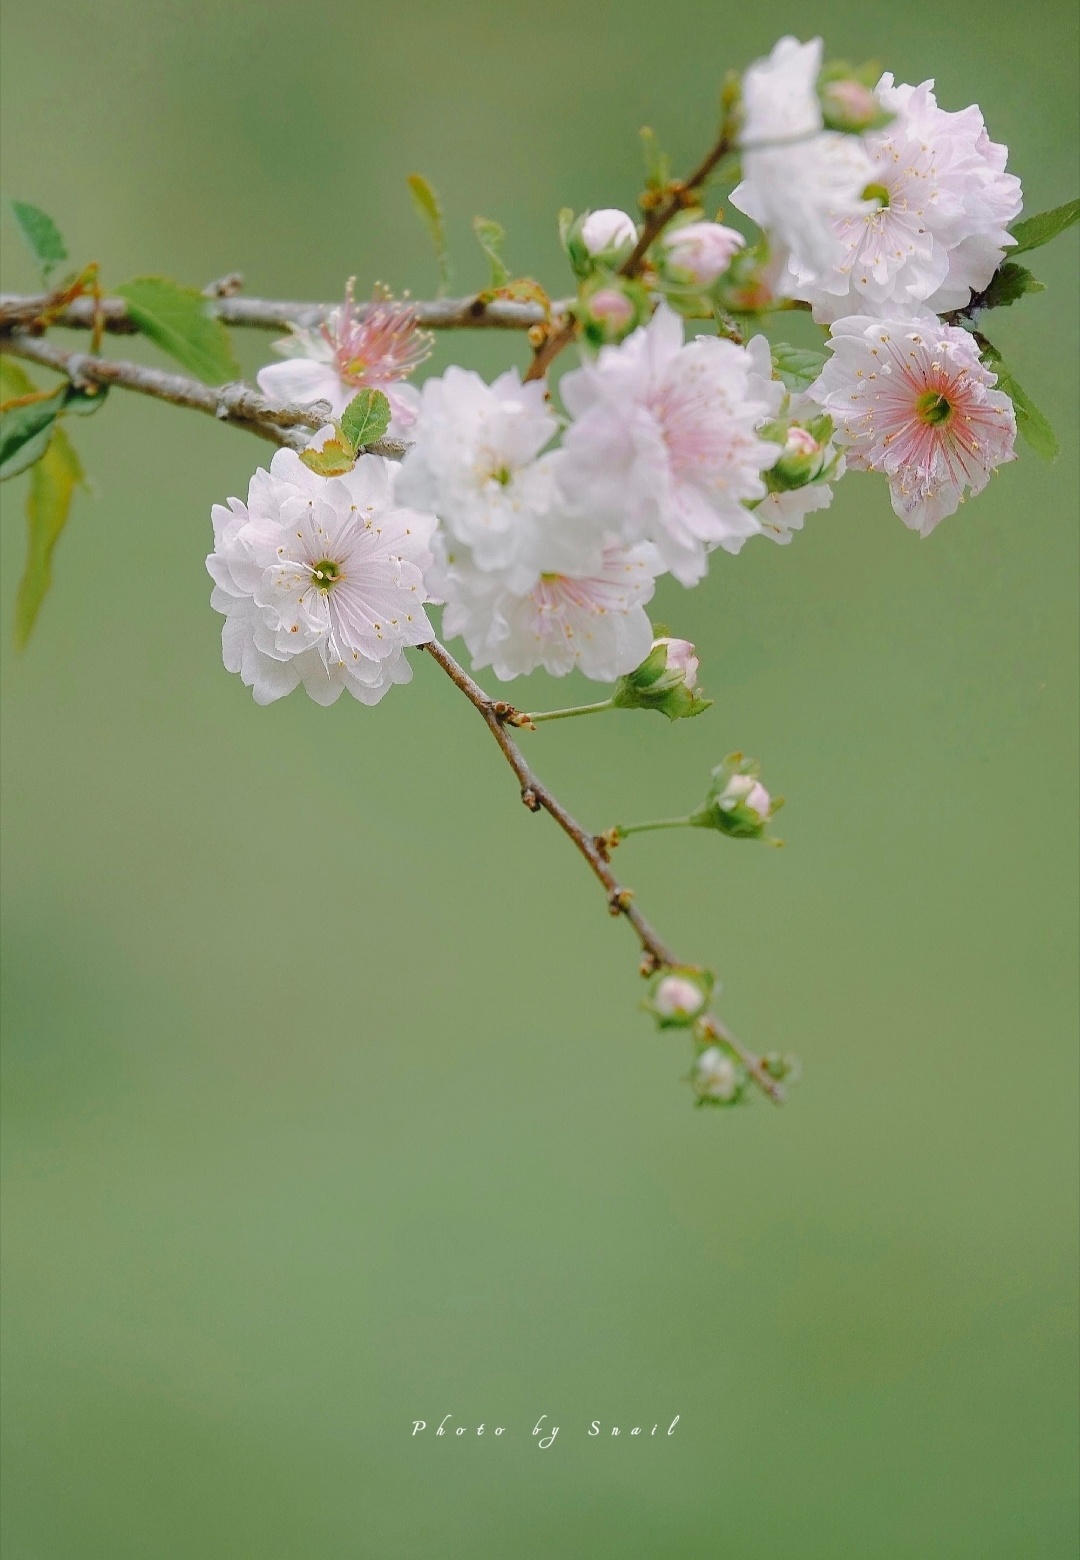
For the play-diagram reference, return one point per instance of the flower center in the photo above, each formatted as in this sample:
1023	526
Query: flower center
933	408
502	475
325	573
876	192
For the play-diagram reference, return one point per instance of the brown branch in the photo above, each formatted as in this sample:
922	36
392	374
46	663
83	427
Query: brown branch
20	311
239	404
498	716
680	195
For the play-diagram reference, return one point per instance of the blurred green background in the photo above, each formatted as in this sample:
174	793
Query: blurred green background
328	1105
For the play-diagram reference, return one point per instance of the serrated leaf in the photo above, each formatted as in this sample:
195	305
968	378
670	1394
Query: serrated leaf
1033	232
366	418
41	235
177	319
1008	283
25	432
427	205
334	459
797	367
1031	424
523	289
490	236
54	480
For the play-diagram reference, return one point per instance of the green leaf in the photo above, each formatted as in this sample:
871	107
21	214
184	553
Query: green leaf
85	400
490	236
797	367
25	432
366	418
55	478
1033	232
177	319
1031	424
333	459
427	205
41	235
1008	283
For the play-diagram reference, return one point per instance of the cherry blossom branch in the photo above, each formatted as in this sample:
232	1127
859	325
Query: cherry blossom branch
498	716
238	403
681	193
22	310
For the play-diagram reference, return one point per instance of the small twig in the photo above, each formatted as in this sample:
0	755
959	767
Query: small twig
620	900
681	195
22	310
238	403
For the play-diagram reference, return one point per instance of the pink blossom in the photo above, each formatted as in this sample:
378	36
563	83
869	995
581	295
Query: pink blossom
702	251
911	398
351	351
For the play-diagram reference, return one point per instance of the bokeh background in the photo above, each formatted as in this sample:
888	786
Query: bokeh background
327	1102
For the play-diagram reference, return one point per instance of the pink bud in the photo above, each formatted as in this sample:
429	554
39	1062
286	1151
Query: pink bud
751	793
681	657
677	997
800	441
851	102
703	250
611	306
607	229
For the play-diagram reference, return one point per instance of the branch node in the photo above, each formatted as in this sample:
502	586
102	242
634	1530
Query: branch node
530	798
649	964
620	900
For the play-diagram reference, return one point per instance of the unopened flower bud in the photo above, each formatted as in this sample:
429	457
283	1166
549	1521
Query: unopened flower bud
717	1077
850	106
611	308
666	681
698	252
803	456
738	804
605	233
680	996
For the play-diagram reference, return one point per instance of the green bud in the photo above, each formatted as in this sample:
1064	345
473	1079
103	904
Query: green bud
666	681
737	804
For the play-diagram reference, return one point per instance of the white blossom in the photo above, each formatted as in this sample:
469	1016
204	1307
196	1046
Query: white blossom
595	621
746	791
716	1075
662	446
348	353
321	581
477	463
607	230
937	227
677	996
797	176
911	398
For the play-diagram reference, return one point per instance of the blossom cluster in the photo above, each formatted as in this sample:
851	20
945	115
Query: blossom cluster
541	516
